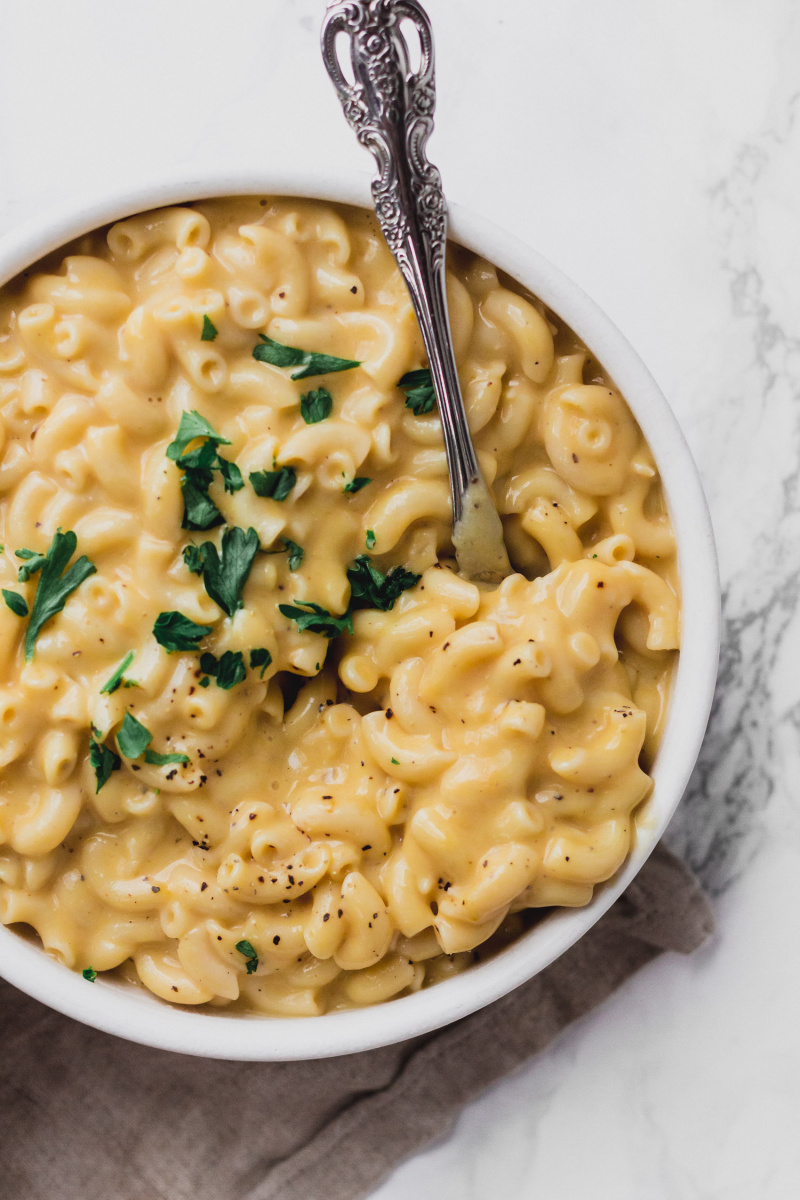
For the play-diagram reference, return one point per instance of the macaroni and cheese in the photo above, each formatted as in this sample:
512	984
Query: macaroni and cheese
262	746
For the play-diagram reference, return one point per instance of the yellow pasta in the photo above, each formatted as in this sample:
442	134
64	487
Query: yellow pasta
265	744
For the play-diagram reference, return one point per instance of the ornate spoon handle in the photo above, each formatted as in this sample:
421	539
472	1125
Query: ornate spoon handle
390	107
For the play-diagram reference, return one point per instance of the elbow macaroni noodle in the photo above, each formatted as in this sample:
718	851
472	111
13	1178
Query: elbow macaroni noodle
457	762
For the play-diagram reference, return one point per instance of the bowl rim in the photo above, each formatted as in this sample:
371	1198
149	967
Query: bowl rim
129	1013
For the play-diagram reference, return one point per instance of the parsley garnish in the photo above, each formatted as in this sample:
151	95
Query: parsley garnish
225	573
370	539
316	619
260	658
198	466
396	763
419	390
244	947
205	460
89	973
114	682
210	330
370	588
34	562
18	604
174	631
312	363
193	557
316	406
104	761
231	475
227	670
133	737
296	553
134	740
274	485
163	760
192	426
55	585
199	510
355	485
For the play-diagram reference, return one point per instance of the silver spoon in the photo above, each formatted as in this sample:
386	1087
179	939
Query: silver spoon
390	107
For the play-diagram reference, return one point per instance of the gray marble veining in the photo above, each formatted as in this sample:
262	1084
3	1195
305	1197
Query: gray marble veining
719	827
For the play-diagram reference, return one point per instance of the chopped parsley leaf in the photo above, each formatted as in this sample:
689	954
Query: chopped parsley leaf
18	604
89	974
370	588
33	563
244	947
115	681
355	485
193	557
419	390
296	553
198	466
260	657
370	539
199	510
103	761
274	485
316	406
316	619
210	330
133	737
162	760
205	681
201	463
192	426
174	631
276	354
227	670
231	475
396	763
54	587
225	571
312	363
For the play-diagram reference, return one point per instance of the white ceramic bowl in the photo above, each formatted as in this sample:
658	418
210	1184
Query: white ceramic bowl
131	1013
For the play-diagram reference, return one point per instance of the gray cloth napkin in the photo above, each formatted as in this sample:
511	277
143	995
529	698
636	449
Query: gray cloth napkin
85	1116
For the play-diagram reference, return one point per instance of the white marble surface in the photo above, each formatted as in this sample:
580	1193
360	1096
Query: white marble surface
653	151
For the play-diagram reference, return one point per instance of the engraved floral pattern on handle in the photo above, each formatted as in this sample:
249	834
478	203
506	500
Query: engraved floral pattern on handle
390	108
